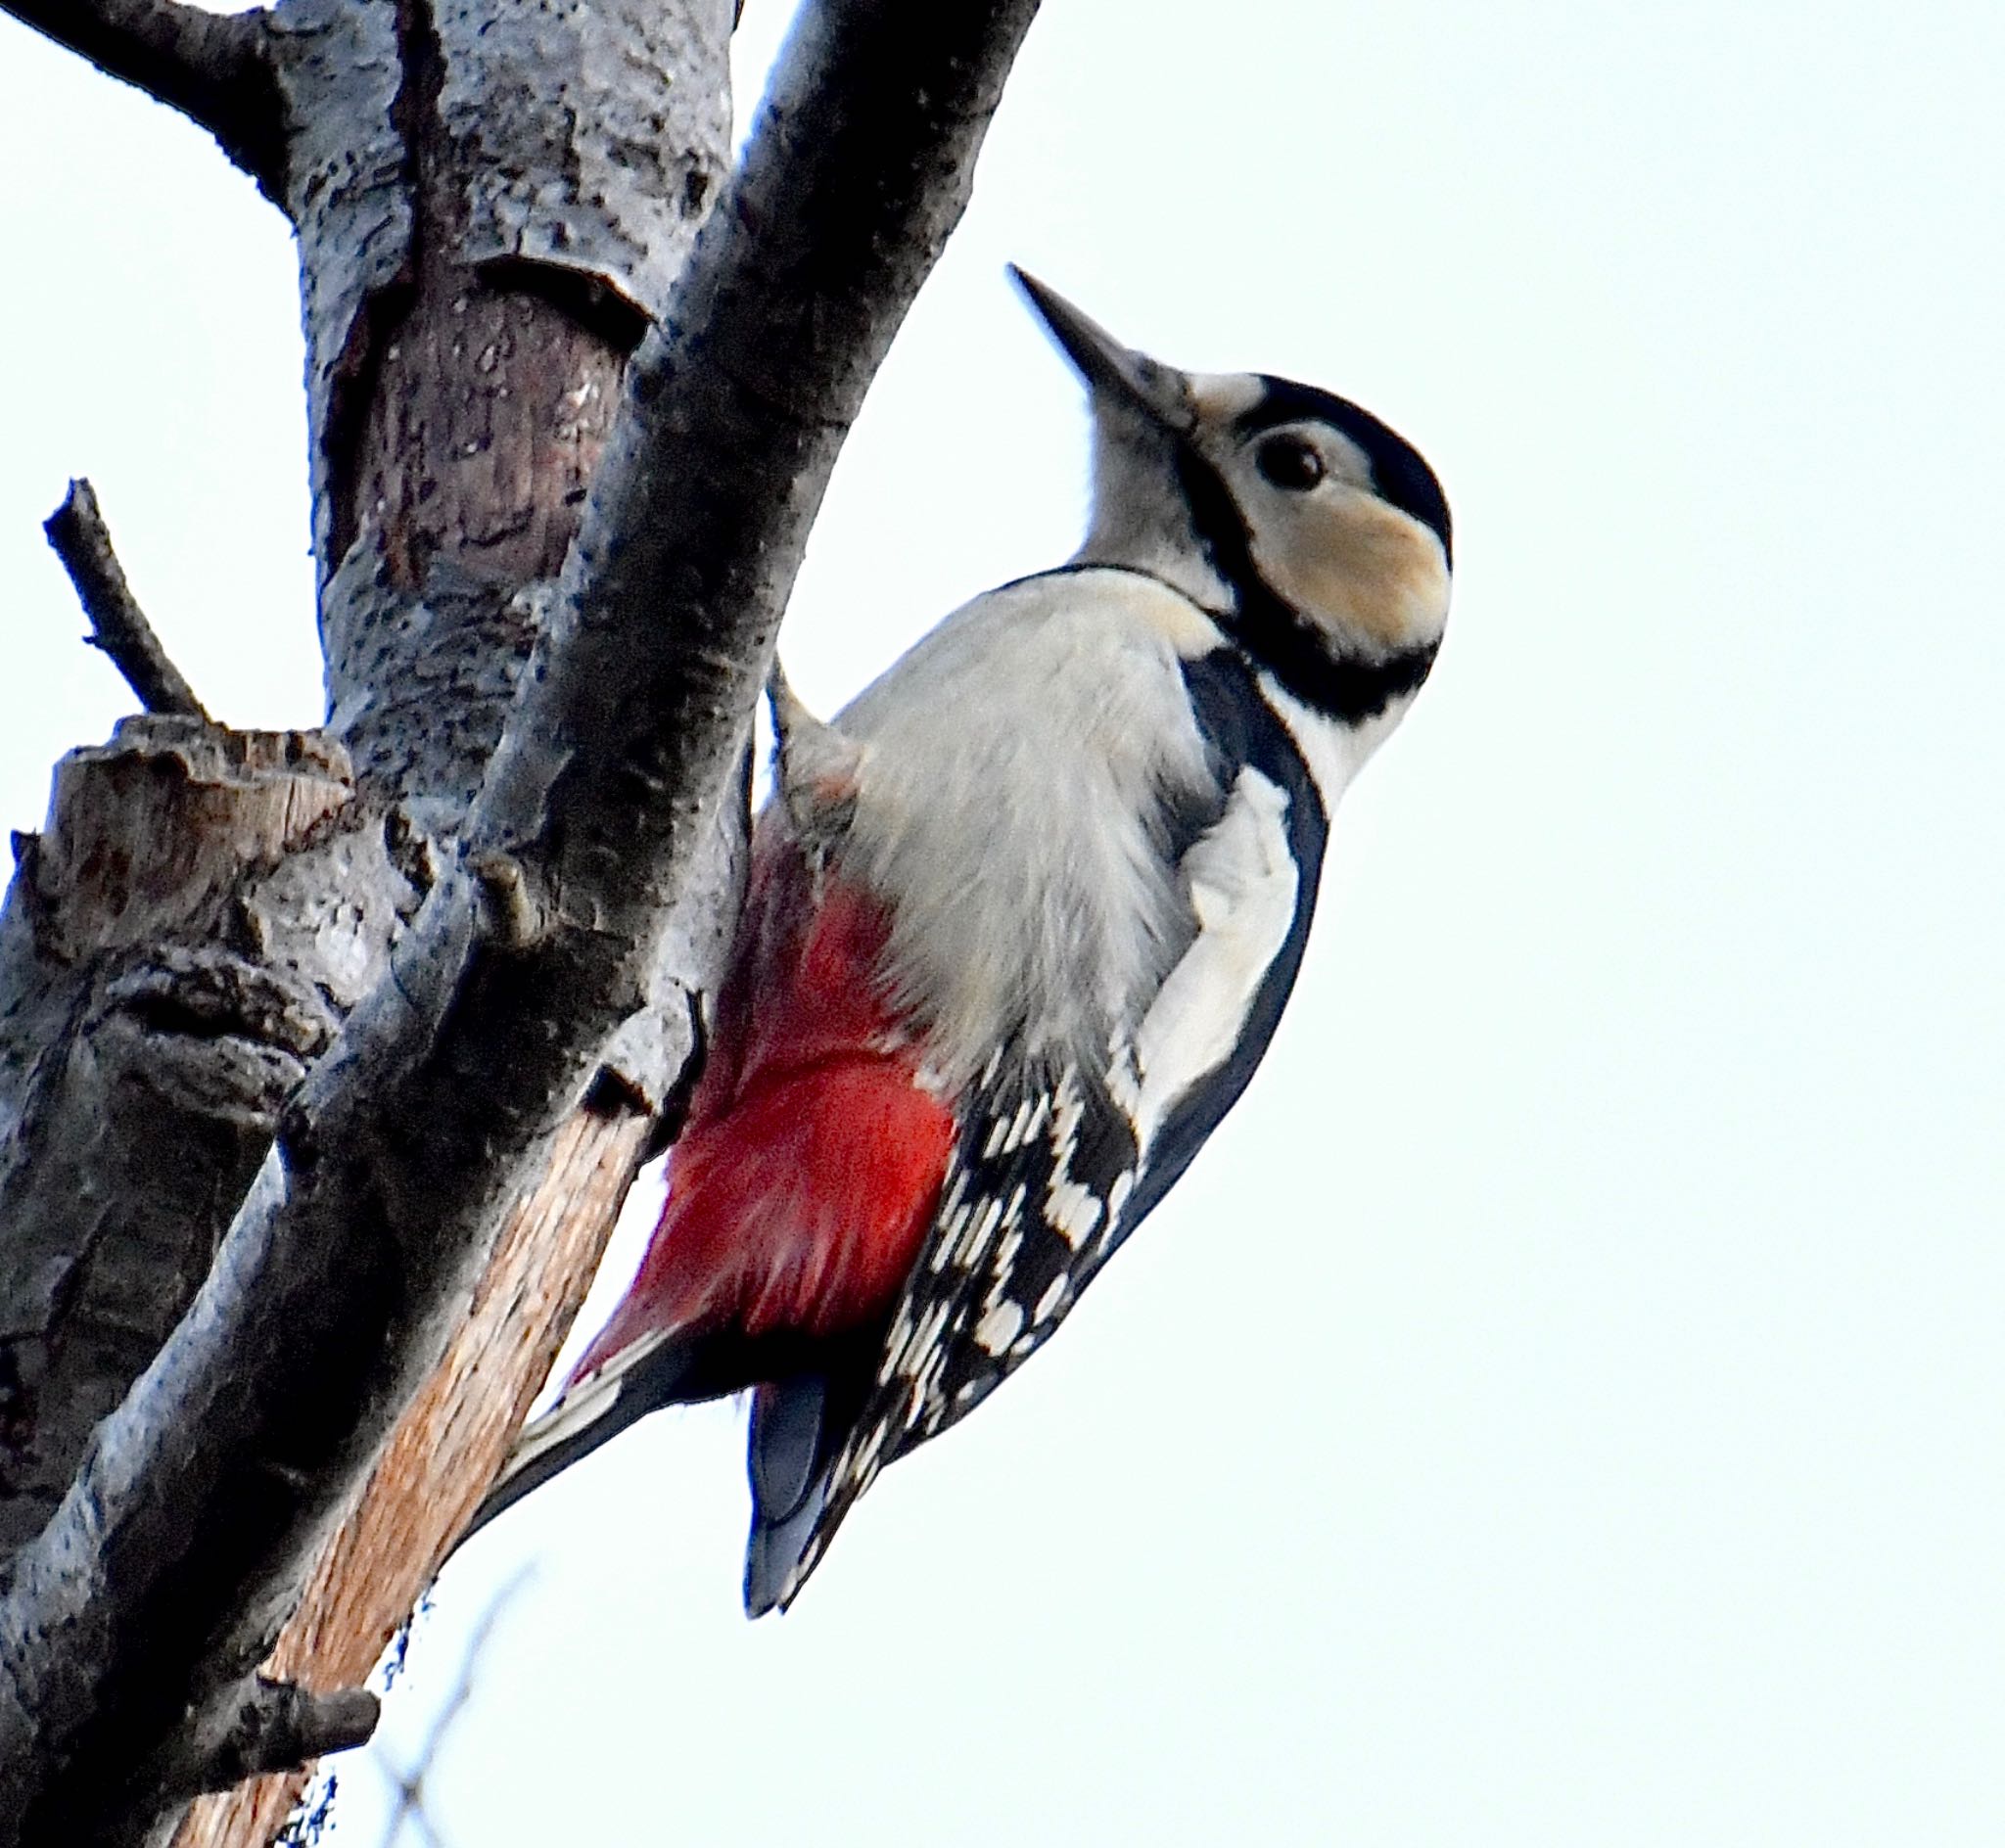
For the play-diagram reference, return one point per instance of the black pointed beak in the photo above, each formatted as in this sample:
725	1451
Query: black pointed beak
1158	389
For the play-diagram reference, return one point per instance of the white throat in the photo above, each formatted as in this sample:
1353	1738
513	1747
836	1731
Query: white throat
1335	752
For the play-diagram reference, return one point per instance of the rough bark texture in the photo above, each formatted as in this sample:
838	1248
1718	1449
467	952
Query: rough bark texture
433	977
432	1476
177	945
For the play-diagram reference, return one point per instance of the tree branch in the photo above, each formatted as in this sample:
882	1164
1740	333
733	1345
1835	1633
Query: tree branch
77	532
214	68
268	1726
184	1539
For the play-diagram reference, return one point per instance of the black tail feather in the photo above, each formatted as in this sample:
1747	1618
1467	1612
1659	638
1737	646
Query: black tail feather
800	1423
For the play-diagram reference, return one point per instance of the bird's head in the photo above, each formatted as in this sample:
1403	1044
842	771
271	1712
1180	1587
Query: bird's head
1318	537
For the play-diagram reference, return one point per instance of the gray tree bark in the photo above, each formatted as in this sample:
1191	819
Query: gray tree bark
326	1059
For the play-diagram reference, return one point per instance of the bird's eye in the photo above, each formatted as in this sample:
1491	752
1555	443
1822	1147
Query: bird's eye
1289	462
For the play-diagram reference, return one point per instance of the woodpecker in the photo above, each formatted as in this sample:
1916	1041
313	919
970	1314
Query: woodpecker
1019	926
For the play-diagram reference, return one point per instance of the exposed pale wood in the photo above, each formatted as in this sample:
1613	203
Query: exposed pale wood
147	834
447	1448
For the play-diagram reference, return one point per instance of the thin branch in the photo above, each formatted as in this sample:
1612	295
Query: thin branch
192	1523
214	68
410	1784
77	532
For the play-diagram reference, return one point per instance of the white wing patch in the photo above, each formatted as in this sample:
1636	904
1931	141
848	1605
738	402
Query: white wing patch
1243	883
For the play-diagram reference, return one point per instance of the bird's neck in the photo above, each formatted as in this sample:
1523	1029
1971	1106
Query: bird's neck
1136	524
1152	545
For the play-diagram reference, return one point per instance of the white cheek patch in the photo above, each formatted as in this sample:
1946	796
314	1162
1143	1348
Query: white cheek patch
1243	885
1346	560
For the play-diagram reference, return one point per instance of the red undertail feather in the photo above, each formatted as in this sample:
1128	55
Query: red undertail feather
806	1175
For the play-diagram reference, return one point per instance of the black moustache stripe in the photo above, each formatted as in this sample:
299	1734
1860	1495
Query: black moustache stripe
1271	629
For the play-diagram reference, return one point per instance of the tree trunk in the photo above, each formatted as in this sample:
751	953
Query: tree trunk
384	1018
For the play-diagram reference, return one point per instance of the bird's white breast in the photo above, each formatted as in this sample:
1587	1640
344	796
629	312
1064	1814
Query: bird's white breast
1009	801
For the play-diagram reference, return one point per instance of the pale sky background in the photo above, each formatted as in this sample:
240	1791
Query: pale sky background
1565	1406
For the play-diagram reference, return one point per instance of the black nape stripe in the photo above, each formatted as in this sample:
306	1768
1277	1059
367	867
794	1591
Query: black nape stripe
1271	629
1399	472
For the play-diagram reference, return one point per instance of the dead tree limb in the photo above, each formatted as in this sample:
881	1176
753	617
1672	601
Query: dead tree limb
213	67
119	626
184	1541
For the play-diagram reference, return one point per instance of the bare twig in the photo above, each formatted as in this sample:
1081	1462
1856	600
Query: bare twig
77	532
356	1252
214	68
410	1784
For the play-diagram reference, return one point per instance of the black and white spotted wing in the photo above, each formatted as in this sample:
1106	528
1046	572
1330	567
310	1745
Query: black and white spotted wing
1053	1170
